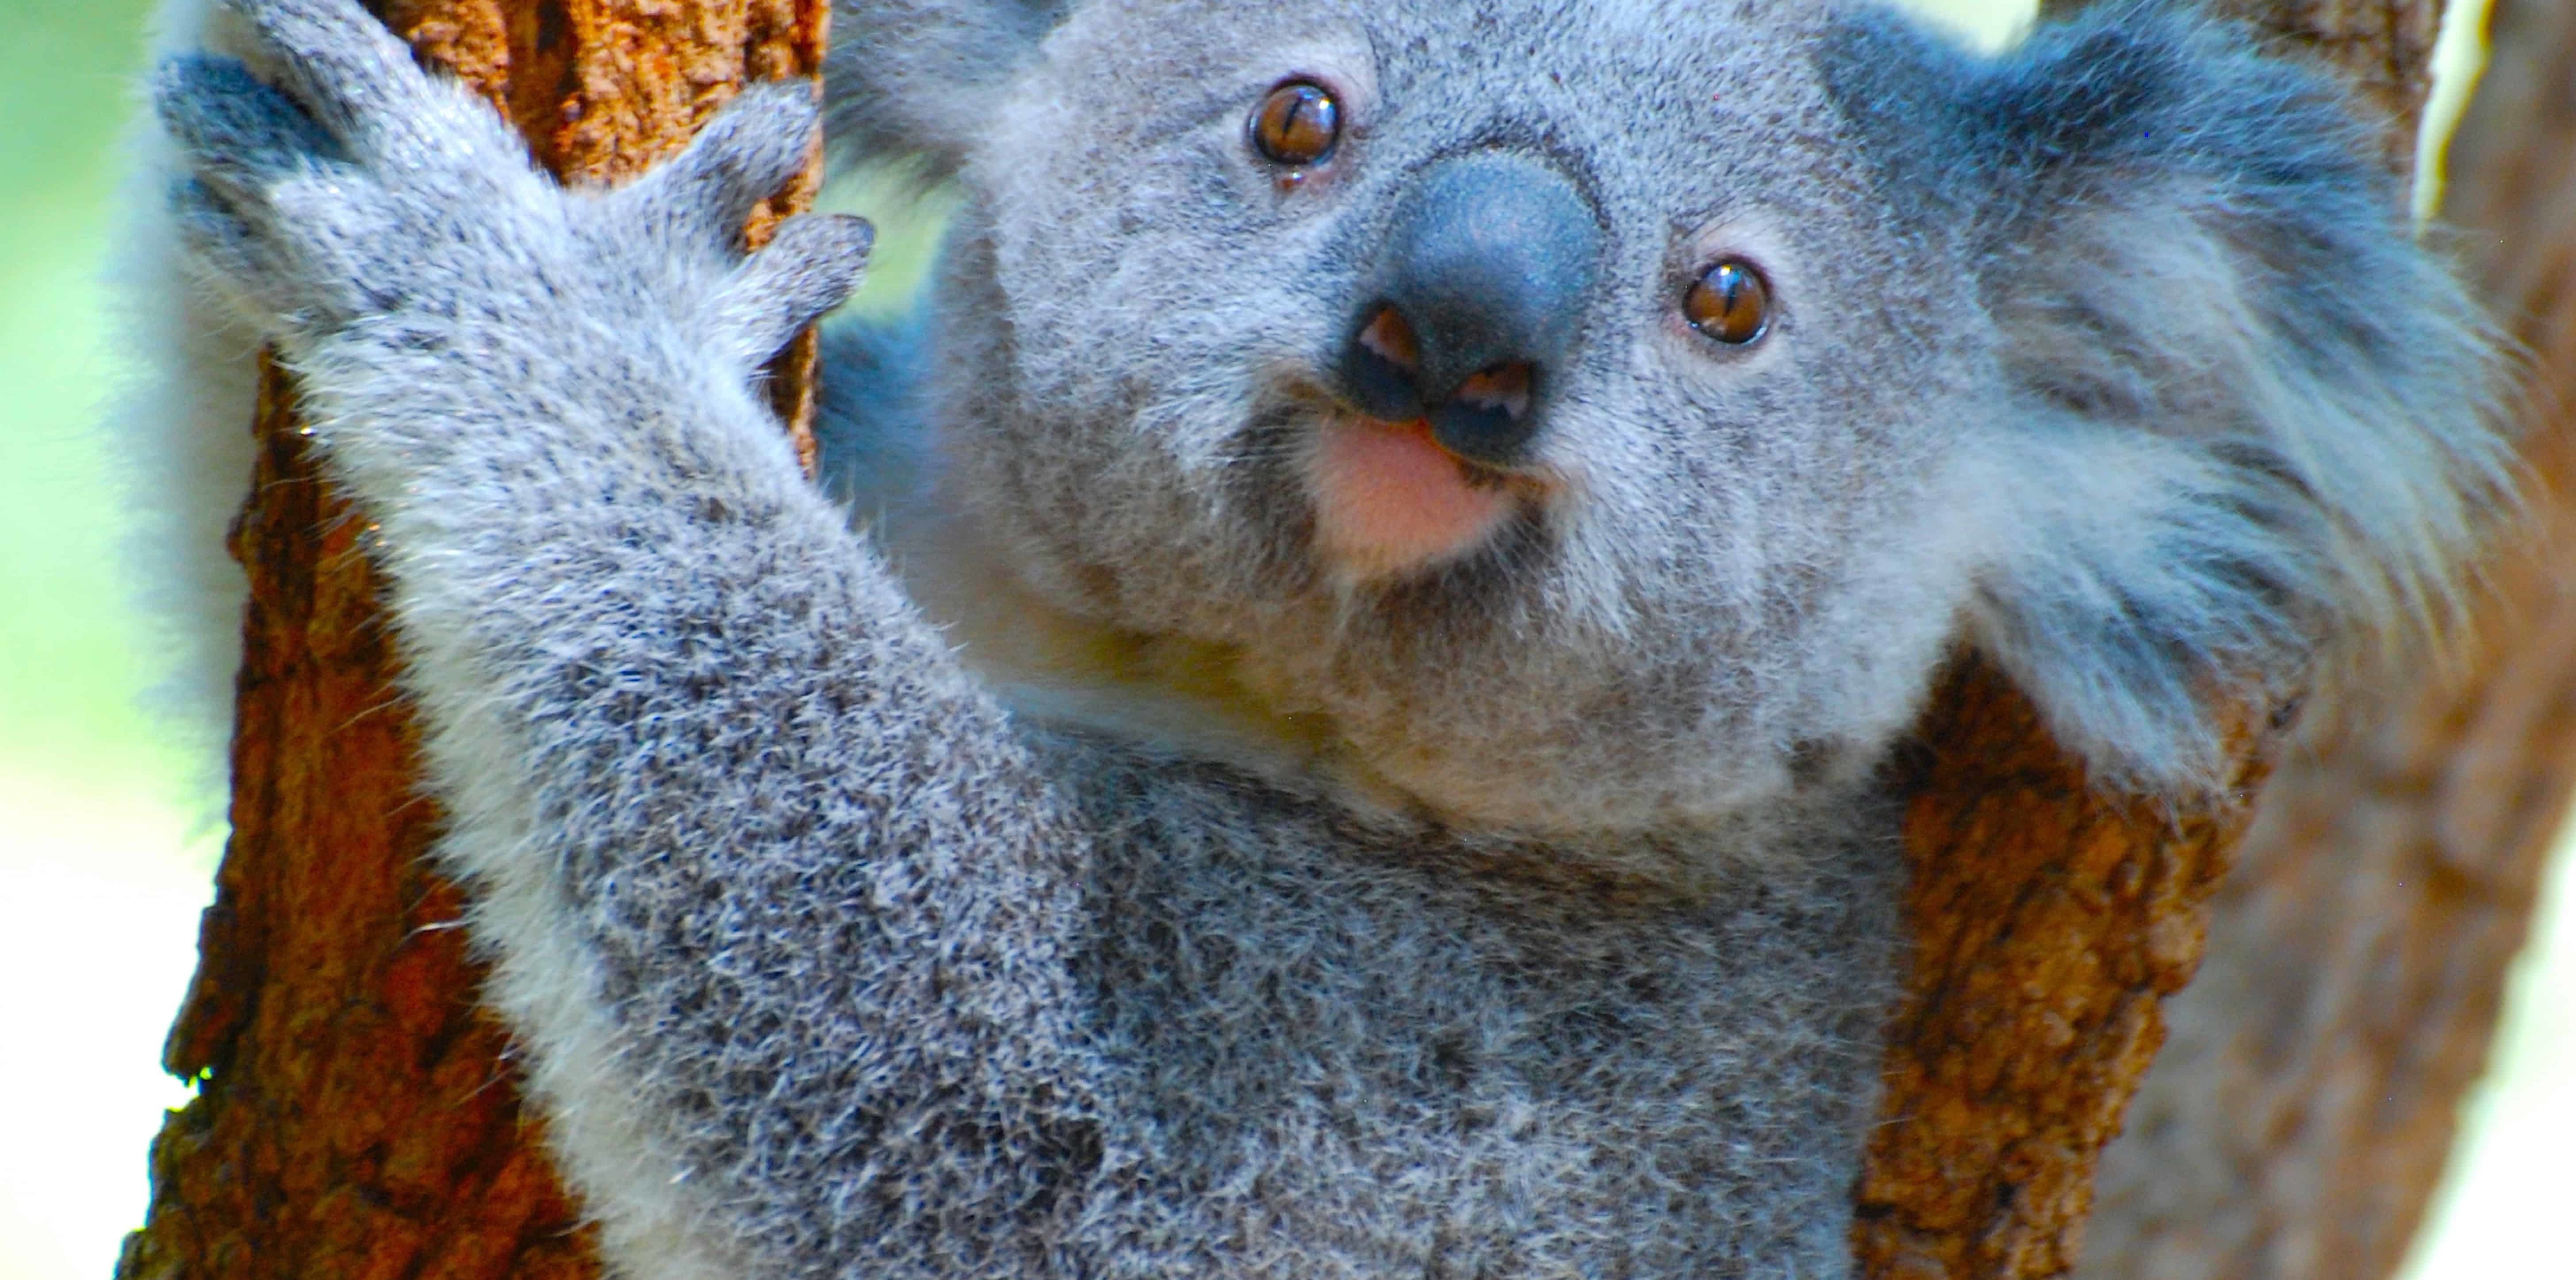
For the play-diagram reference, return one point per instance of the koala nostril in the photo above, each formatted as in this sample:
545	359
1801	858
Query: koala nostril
1487	419
1381	369
1389	338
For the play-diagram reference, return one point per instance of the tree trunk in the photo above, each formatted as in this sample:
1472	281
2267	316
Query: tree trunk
2299	1122
356	1116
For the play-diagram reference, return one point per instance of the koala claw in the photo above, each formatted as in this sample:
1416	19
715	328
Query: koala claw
351	184
807	269
351	73
337	187
749	151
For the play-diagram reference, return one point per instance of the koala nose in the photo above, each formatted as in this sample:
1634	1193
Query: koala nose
1480	289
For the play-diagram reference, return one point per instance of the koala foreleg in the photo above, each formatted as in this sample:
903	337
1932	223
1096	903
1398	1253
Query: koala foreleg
712	776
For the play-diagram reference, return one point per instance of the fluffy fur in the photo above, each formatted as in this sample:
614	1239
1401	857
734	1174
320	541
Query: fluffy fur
189	393
1074	870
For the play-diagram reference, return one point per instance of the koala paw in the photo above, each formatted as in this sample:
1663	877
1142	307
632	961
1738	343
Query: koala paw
358	187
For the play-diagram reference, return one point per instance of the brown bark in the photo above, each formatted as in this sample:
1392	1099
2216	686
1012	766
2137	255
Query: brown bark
2049	920
2300	1121
356	1116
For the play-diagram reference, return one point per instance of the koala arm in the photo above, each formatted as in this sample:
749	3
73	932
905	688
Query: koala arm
739	826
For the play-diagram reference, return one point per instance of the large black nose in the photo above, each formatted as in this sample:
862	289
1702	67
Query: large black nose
1478	293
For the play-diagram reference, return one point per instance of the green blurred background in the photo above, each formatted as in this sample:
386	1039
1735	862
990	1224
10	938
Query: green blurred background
101	871
109	819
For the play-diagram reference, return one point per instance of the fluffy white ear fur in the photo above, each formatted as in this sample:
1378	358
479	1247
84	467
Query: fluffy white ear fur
2258	423
180	424
2252	495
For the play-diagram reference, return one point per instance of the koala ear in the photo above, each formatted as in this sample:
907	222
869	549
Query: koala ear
2242	419
915	80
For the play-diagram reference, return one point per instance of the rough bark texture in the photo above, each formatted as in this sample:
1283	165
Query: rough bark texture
2050	921
2298	1123
356	1117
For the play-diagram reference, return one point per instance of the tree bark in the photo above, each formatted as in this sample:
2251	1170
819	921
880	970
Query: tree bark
356	1116
2049	920
2300	1120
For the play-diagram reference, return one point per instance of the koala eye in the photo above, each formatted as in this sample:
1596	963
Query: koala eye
1297	124
1730	302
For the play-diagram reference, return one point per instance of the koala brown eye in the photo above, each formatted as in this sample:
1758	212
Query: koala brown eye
1298	124
1729	302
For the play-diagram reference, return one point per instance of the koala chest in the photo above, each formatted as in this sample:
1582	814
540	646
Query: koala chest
1351	1066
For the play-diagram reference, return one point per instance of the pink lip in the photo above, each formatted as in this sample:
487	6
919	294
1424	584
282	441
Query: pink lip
1389	500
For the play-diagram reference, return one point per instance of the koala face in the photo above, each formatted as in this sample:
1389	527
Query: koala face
1663	571
1603	415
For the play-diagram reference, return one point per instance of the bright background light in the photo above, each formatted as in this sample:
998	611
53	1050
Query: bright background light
105	854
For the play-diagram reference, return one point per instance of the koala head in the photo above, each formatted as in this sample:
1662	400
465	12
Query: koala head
1606	415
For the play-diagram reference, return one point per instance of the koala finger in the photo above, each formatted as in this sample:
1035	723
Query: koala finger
749	151
289	254
354	77
809	268
216	240
243	267
240	136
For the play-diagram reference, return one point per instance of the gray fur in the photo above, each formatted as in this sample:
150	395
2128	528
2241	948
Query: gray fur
1074	873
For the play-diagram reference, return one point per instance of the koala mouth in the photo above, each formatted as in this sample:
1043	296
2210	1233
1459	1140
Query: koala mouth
1390	501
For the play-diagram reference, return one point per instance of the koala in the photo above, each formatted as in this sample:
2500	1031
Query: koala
1330	713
